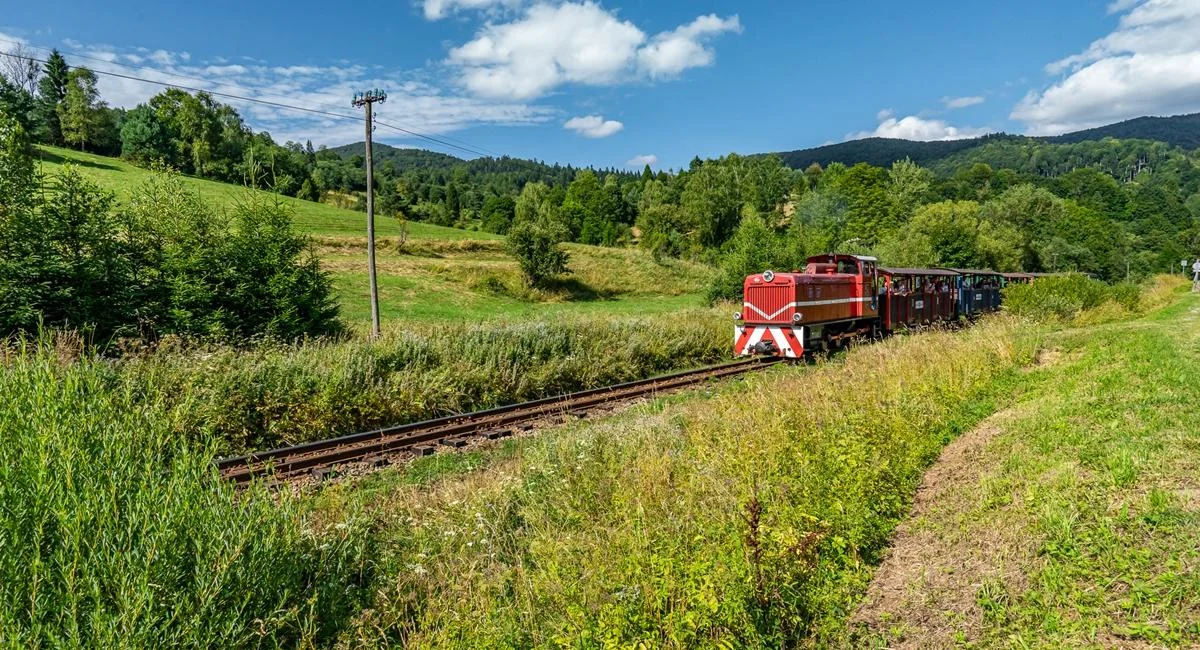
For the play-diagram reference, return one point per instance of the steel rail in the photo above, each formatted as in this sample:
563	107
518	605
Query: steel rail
287	462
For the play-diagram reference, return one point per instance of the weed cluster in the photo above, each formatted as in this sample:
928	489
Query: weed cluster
286	394
749	520
117	533
1067	296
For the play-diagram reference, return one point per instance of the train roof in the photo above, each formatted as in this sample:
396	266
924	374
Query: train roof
974	272
895	270
1015	276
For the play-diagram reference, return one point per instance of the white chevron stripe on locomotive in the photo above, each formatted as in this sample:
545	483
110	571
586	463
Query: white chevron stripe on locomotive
806	303
782	343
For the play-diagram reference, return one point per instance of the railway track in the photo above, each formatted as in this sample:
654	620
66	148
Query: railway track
373	448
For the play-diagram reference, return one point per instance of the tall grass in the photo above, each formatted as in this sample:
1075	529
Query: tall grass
115	533
268	396
1068	296
749	520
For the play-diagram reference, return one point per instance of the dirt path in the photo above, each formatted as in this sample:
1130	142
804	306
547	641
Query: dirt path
947	563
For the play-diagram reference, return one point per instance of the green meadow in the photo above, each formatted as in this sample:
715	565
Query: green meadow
438	273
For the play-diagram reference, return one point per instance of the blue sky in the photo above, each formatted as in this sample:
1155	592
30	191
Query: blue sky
619	82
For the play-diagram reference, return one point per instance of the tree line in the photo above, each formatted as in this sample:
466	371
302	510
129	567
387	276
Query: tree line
1110	207
165	263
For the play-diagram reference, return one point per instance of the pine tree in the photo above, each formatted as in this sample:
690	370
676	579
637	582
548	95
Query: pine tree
52	89
81	110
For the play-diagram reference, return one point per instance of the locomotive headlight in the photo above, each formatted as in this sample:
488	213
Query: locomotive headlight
796	317
768	275
737	315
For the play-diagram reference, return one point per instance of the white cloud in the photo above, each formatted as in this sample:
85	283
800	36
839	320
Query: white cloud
916	128
593	126
1149	65
438	9
414	102
670	53
1118	6
642	160
551	45
884	114
954	103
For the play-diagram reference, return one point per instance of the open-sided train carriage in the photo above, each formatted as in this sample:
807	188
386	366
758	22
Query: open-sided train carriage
978	291
915	297
1015	278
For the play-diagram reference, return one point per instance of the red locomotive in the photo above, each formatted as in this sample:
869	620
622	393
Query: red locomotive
840	297
784	314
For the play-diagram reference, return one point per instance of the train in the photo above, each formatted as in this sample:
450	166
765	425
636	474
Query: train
841	297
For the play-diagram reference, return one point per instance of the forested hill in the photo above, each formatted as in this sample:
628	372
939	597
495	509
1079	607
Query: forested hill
402	158
1179	130
880	152
395	161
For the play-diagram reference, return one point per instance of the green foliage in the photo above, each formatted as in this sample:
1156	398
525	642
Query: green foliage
754	248
1064	296
498	213
717	190
238	275
535	247
165	264
18	105
52	90
273	395
869	212
953	234
81	113
118	533
143	139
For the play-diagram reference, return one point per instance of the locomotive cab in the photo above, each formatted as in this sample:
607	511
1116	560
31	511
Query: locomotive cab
783	314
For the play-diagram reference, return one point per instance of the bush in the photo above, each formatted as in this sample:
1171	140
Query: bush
166	263
1065	296
117	533
535	246
754	248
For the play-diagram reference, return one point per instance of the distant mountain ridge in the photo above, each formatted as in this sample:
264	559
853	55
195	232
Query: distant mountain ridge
1178	130
401	157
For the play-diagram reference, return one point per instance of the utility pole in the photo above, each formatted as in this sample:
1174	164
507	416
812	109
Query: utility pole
366	100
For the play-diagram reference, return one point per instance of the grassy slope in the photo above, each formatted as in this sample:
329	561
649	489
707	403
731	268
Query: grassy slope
1092	480
315	218
633	530
441	273
637	530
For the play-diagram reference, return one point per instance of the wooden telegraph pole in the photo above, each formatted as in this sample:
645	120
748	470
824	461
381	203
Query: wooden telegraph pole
366	100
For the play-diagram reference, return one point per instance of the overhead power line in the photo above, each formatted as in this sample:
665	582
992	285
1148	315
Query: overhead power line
465	147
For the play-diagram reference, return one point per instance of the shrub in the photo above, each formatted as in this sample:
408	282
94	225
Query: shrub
1065	296
535	246
754	248
166	263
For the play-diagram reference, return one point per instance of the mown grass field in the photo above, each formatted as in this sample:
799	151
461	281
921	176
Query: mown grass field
445	274
479	280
